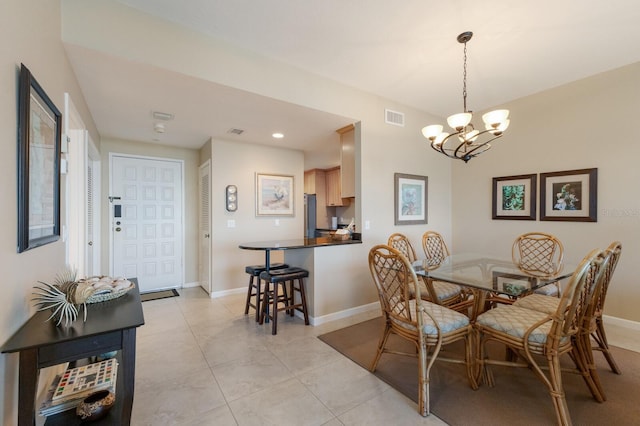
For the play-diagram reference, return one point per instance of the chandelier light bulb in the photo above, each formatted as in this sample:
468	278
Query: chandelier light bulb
459	121
430	132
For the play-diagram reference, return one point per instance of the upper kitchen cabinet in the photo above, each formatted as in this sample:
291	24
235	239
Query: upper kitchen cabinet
333	187
347	161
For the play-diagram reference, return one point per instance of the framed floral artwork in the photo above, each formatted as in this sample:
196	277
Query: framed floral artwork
514	197
274	195
410	199
569	195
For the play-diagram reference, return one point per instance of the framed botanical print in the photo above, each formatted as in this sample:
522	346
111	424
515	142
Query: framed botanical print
570	195
410	199
514	197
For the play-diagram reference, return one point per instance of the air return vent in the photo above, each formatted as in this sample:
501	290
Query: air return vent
235	131
394	117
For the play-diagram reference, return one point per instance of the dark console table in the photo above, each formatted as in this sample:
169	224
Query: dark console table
110	326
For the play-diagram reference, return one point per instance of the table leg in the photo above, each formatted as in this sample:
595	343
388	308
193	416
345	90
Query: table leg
128	372
27	386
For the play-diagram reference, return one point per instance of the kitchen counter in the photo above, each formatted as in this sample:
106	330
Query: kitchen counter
297	243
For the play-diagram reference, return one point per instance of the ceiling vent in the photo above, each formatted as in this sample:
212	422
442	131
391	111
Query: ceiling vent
394	117
163	116
235	131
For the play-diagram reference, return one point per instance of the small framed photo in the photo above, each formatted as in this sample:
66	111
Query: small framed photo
410	204
514	197
274	195
512	284
39	144
569	195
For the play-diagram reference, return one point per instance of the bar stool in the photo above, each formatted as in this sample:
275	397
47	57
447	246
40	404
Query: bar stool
281	277
254	289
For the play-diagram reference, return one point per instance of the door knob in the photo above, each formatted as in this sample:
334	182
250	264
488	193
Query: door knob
206	235
118	229
90	243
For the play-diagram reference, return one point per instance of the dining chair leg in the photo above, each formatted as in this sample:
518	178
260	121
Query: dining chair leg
557	392
381	345
603	345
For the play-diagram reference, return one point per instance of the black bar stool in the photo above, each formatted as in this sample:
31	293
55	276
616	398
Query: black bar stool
281	277
254	289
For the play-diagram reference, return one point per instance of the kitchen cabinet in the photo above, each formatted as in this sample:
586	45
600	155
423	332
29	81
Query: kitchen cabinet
333	188
347	161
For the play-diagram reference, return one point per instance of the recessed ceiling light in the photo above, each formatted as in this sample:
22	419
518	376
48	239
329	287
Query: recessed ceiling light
278	135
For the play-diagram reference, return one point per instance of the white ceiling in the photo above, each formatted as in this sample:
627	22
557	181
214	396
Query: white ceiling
401	50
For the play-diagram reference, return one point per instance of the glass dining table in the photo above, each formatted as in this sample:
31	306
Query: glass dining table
486	276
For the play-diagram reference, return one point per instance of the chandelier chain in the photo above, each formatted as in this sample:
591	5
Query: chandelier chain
464	79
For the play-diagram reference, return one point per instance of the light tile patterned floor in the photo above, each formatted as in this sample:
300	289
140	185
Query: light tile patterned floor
200	361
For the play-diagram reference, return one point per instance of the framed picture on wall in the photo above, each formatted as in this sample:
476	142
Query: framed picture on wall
410	199
570	195
514	197
39	137
274	195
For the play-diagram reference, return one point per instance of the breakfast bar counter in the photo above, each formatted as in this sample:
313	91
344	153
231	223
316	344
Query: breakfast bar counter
322	264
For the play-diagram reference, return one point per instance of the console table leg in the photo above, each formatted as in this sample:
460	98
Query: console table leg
27	386
129	371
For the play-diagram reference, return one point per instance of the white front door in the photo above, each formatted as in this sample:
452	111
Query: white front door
204	236
146	221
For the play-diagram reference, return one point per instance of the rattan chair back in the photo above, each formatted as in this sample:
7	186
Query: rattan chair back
401	243
435	249
538	253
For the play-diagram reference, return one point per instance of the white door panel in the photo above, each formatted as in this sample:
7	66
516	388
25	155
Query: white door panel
148	236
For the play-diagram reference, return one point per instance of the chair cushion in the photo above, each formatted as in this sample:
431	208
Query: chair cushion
539	302
548	290
444	290
516	321
448	320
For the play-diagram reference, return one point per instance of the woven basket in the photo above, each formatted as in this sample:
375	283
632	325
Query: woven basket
103	297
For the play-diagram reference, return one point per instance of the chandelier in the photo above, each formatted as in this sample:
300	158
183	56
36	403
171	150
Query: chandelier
467	142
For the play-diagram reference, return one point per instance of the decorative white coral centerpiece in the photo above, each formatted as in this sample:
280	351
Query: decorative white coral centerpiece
67	294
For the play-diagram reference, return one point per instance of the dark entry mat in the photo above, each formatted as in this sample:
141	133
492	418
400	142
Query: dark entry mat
162	294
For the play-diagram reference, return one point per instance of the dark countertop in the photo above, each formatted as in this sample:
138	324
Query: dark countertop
297	243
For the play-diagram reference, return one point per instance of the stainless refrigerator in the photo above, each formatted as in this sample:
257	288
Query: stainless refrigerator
309	215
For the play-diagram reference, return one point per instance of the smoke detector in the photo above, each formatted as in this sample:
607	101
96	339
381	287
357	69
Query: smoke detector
158	127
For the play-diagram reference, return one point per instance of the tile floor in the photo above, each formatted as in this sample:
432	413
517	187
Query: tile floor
201	361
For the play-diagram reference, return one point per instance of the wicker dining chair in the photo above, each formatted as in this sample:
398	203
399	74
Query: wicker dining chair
539	253
538	338
427	325
593	326
442	293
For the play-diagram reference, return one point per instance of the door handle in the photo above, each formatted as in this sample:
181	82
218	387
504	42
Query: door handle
118	229
90	243
206	235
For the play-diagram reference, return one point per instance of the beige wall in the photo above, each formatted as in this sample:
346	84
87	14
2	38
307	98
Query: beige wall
42	52
588	123
191	162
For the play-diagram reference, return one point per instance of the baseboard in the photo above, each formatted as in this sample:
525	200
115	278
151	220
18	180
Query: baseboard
189	285
344	314
216	294
621	322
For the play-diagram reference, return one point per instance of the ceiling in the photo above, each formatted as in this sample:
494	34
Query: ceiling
404	51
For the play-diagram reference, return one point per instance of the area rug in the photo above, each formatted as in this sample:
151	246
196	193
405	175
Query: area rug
518	397
162	294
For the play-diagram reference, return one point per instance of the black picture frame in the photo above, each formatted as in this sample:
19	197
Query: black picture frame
410	199
39	152
570	195
514	197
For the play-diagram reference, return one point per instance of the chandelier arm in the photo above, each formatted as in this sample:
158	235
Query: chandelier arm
477	147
